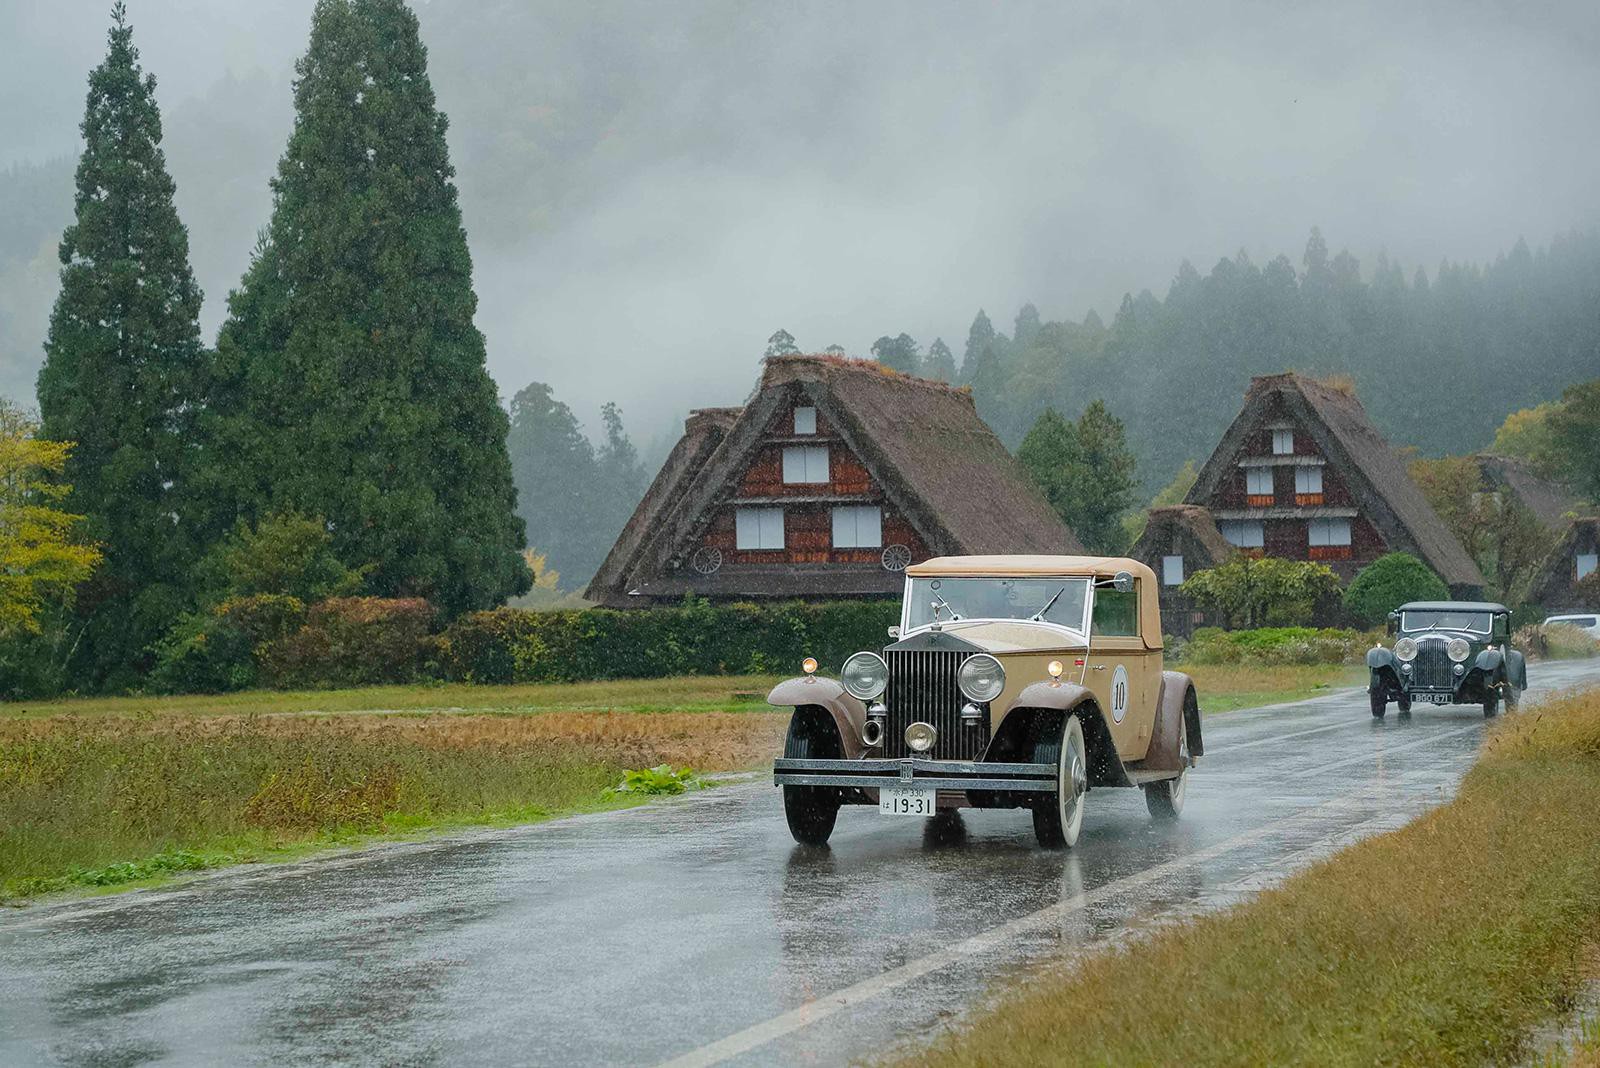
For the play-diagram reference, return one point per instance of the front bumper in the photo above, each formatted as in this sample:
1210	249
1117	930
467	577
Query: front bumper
916	771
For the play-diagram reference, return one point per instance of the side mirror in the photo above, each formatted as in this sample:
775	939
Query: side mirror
1122	582
894	632
1394	622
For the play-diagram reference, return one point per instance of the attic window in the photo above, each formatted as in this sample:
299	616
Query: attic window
1587	563
805	420
805	464
1282	442
1172	570
758	528
857	527
1244	533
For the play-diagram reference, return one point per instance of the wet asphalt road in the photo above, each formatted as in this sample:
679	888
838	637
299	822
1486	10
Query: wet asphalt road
695	930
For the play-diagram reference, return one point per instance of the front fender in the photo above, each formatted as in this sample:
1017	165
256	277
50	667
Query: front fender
1517	669
1175	717
1385	669
1068	697
849	714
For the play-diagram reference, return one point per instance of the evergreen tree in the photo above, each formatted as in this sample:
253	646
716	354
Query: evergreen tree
898	354
350	379
1105	480
980	336
120	359
940	362
1049	454
558	479
1575	436
781	343
1026	327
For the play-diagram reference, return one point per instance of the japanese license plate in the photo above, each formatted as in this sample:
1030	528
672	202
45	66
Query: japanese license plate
1434	698
905	801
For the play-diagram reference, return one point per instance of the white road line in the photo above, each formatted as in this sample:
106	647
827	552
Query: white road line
758	1035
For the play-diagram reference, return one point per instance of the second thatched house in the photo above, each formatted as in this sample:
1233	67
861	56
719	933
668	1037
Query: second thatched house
1303	474
1575	558
834	477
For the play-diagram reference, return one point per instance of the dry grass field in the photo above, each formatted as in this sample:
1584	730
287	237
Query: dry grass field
1443	943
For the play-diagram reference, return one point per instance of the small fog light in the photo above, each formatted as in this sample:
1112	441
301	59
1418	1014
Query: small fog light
809	665
1406	668
971	714
1055	668
920	737
1458	669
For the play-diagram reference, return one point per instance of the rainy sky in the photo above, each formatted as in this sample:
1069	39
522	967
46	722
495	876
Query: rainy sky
651	189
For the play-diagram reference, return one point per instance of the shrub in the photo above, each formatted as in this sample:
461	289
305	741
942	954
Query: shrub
204	652
1273	646
1249	591
1389	582
349	641
1555	641
511	645
285	553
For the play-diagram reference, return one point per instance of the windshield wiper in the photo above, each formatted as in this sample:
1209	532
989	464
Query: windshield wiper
940	602
1039	615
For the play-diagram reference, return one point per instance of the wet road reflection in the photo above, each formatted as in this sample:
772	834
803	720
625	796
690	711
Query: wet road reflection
641	936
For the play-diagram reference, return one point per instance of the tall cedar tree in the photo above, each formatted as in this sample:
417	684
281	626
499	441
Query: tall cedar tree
120	360
350	380
1085	471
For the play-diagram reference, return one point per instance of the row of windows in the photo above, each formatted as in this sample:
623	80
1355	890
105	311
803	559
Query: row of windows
1251	533
855	526
1258	480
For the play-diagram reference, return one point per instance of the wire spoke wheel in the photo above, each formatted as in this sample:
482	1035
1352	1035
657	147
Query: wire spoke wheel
1058	820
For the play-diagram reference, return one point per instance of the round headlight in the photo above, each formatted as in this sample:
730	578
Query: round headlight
920	737
981	677
865	676
1405	649
1458	649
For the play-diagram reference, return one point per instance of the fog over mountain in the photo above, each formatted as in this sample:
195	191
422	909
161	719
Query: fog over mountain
651	189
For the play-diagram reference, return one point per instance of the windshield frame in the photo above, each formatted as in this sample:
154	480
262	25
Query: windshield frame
1079	631
1407	628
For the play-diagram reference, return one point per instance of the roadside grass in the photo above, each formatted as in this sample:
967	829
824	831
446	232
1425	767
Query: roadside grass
687	693
98	801
1231	687
1445	942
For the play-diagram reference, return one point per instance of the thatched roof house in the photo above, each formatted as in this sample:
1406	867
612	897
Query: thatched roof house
1575	557
1179	540
1303	474
833	478
1549	503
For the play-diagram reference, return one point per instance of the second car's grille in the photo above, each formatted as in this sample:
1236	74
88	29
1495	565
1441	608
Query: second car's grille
922	686
1431	671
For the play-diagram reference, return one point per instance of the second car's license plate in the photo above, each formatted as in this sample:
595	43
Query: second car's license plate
1434	698
905	801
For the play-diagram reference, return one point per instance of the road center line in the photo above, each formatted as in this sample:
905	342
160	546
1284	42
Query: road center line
757	1035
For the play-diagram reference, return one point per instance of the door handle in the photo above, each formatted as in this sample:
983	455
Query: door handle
1098	667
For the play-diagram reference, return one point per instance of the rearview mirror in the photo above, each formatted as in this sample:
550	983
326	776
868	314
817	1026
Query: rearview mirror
1123	582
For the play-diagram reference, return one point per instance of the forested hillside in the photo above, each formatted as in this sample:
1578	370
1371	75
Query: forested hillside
1439	360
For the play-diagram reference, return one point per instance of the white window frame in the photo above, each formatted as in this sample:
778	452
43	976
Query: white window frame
1328	532
758	529
1283	441
1308	479
1169	566
805	420
857	526
1255	478
1245	533
1585	563
805	465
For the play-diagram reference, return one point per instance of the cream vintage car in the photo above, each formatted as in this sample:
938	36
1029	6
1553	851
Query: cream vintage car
1013	682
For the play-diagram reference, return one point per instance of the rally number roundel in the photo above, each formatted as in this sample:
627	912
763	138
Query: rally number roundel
1119	694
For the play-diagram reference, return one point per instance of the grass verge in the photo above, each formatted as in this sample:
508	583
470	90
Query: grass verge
1442	943
98	801
1231	687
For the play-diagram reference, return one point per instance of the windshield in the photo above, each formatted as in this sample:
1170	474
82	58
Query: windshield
1478	622
943	600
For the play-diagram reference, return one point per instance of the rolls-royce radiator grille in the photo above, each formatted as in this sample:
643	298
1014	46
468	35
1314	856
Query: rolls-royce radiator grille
922	686
1431	671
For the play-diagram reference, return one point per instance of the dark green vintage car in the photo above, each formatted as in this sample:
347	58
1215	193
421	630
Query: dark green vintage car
1447	653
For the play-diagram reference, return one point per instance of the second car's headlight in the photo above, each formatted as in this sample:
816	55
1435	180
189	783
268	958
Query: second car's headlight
1405	649
865	676
981	677
1458	649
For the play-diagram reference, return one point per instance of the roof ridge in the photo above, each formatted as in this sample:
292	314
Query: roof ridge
831	362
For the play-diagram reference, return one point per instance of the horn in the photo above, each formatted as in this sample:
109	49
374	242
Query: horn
872	732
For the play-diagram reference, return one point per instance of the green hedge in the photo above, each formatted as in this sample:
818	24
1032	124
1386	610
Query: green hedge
1271	645
512	645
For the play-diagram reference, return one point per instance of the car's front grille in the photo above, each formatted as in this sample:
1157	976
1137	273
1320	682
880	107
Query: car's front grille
1431	669
923	687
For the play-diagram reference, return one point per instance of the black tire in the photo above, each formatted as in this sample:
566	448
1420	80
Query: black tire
1053	825
811	810
1380	704
1403	703
1165	799
1491	703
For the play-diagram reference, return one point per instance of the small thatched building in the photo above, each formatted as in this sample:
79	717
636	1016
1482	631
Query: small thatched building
1179	540
1303	474
1575	558
1514	478
834	477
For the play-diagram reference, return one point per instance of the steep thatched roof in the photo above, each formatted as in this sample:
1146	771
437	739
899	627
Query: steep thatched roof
703	431
1549	503
1339	425
1553	586
921	441
1169	524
